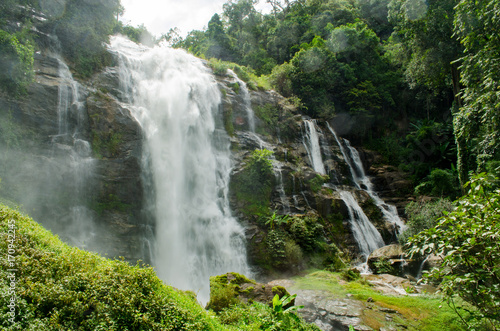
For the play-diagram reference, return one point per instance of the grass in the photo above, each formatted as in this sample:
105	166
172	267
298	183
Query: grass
423	312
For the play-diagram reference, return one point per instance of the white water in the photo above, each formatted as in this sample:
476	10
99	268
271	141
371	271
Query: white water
311	143
363	182
78	224
245	95
176	100
366	235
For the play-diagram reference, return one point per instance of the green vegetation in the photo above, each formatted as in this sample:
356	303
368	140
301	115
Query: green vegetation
423	312
252	186
423	215
401	70
467	239
62	287
16	62
58	286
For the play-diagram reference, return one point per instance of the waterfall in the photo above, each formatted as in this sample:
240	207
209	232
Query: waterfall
362	182
311	143
245	95
365	234
78	223
176	100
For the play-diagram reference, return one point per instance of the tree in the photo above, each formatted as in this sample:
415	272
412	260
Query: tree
425	30
467	239
477	123
219	43
83	29
16	63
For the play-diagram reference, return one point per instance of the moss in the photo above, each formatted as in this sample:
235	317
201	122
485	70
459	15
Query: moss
280	291
227	114
372	211
422	312
106	144
111	202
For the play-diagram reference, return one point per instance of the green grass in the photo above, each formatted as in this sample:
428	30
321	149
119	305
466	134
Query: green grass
423	312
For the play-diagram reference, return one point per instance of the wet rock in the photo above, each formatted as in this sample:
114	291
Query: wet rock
391	285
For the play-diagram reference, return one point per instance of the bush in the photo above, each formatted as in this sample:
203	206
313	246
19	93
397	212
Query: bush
467	239
423	215
440	183
16	63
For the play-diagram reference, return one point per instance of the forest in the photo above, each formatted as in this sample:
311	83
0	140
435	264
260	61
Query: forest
416	81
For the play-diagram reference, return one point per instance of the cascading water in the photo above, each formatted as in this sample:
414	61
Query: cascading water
362	182
78	224
311	143
245	95
176	101
366	235
277	166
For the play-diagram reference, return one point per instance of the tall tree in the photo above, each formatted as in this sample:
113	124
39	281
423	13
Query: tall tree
477	123
425	29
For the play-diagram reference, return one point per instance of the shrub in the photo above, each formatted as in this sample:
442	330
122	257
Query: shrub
16	63
467	239
423	215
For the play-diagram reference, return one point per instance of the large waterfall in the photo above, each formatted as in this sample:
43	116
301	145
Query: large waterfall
176	101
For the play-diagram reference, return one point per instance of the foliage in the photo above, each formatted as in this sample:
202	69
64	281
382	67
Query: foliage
276	220
61	287
383	266
467	241
439	183
83	29
284	313
423	215
16	63
317	182
477	127
258	316
350	274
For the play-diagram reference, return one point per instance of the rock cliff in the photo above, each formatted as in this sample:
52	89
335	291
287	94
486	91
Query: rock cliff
72	158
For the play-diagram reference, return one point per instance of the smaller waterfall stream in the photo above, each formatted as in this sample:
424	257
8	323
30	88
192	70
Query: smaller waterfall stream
311	143
78	223
366	235
247	103
277	165
362	182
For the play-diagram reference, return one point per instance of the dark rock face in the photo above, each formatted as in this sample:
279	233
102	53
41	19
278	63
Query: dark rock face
85	179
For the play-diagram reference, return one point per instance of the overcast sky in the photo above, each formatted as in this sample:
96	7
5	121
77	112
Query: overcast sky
158	16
